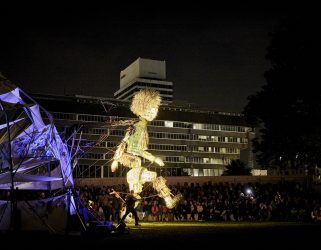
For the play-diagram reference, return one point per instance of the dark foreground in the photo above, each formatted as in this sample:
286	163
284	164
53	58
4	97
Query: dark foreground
264	235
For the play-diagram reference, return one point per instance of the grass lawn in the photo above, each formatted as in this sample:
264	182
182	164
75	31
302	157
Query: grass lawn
186	235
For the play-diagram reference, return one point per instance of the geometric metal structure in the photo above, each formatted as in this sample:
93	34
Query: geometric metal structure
32	157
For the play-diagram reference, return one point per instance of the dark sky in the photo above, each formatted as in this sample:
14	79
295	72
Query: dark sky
215	57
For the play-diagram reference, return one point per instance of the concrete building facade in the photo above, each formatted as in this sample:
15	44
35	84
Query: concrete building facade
192	142
144	73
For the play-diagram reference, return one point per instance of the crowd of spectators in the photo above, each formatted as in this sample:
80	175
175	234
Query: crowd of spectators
286	201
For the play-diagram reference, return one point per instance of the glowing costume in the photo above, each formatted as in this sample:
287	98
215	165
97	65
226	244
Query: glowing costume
145	105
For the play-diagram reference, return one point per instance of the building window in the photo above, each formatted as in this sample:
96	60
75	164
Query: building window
168	124
202	137
206	160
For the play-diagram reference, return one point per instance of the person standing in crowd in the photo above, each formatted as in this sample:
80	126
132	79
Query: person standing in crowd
130	207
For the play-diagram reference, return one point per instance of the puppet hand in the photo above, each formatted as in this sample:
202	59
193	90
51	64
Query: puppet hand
114	166
159	161
120	150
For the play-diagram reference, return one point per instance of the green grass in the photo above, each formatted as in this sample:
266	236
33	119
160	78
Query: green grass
187	235
221	224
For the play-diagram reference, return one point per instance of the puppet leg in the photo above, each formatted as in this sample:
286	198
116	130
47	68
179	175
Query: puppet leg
159	184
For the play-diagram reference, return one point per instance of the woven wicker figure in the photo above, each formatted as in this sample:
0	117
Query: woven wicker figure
134	146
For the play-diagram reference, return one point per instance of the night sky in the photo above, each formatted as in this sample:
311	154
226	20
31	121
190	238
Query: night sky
215	57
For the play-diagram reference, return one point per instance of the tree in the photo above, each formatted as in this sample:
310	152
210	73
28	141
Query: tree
237	167
287	109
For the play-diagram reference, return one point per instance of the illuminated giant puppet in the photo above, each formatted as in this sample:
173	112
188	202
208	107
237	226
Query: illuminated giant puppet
134	145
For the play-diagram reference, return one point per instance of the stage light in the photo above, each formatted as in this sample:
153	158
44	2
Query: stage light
249	191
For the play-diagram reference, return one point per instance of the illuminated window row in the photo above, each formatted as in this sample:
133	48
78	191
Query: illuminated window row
204	160
158	123
172	136
86	171
199	126
215	150
216	127
193	137
170	124
203	172
212	138
167	147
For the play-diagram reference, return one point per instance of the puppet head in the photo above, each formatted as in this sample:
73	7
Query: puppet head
146	103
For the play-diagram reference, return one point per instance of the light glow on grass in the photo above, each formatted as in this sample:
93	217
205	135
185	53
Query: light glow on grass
217	224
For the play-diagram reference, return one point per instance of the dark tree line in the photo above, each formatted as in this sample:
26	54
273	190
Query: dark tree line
287	110
237	167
